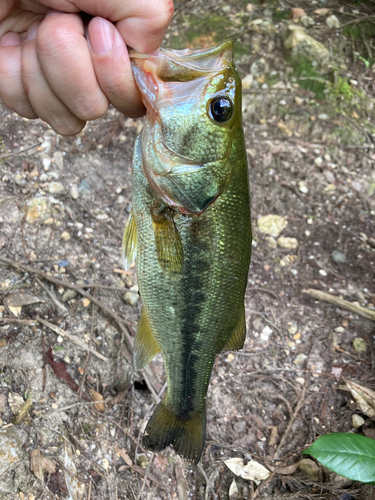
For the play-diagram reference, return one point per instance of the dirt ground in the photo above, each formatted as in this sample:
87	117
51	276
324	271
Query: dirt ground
310	136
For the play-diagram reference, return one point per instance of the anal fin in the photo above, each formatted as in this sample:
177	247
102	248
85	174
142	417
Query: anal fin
237	339
129	242
168	243
145	345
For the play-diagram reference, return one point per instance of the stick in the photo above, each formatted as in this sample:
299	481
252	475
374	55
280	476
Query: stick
72	339
344	304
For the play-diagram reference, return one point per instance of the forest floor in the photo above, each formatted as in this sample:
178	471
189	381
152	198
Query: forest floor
310	137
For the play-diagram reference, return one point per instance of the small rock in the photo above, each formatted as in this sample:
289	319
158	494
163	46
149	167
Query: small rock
298	100
309	468
65	236
74	192
46	162
293	329
359	345
304	47
37	208
10	448
247	81
250	7
323	116
58	158
63	263
300	359
120	200
68	295
318	161
272	224
130	298
265	333
226	8
333	22
84	189
271	242
322	272
307	21
303	187
341	482
49	221
297	12
55	187
287	242
86	302
338	257
357	186
300	380
357	421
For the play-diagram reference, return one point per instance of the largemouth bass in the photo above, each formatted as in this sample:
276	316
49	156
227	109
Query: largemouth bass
189	231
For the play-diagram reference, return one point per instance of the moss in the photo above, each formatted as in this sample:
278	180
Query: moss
59	348
309	79
344	97
282	14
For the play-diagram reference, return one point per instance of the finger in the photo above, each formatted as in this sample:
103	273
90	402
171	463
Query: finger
12	92
43	100
66	63
112	67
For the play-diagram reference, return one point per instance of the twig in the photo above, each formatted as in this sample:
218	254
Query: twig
19	322
339	302
257	313
72	339
181	481
146	475
259	289
88	357
33	270
16	153
60	307
358	20
291	422
89	493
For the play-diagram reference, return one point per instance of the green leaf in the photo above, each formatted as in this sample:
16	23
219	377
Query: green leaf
349	455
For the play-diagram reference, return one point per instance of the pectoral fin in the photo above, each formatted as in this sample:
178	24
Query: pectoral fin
129	242
145	345
237	339
168	242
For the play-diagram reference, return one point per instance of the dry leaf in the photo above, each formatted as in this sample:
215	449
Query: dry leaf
98	398
36	464
16	311
23	414
20	299
297	12
3	342
15	402
125	456
252	471
364	397
321	12
48	465
289	469
233	490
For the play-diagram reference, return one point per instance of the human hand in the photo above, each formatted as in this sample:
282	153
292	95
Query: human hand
51	70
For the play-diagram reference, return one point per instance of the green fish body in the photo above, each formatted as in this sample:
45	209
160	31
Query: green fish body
189	231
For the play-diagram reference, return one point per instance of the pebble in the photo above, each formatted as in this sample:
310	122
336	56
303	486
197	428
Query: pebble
338	257
130	298
65	236
322	272
357	421
303	187
250	7
74	192
86	302
309	468
55	187
307	21
37	208
298	100
333	22
284	242
49	221
84	189
318	161
58	159
265	333
46	162
293	329
323	116
359	345
63	263
11	449
271	242
247	81
68	295
299	359
272	224
120	200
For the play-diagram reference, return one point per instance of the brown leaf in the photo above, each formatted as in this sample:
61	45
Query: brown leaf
161	461
321	12
370	433
98	398
364	397
19	299
289	469
36	464
59	369
48	465
297	12
125	456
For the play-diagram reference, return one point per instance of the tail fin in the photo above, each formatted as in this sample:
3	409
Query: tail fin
186	436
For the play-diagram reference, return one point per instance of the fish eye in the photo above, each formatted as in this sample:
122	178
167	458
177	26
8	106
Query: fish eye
221	109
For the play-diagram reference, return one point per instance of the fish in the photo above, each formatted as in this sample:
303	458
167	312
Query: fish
189	231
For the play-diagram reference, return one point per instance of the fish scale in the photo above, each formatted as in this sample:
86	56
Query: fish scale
192	252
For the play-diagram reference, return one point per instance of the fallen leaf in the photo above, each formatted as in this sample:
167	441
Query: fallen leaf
20	299
289	469
161	461
23	415
296	12
16	311
48	465
252	471
15	402
321	12
125	456
98	398
36	464
59	369
364	397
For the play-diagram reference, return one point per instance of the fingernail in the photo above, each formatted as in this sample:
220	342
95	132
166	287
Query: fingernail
53	12
33	31
10	39
101	39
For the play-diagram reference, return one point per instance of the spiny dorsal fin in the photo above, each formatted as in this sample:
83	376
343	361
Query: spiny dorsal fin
238	336
145	345
129	242
168	242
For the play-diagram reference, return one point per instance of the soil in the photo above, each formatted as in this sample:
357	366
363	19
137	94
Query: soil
310	136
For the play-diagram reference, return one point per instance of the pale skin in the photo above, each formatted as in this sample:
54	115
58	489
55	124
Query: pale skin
55	68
